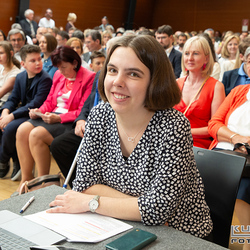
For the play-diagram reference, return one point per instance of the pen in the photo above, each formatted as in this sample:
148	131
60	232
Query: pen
27	204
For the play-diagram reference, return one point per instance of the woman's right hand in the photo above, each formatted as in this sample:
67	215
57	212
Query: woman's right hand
32	113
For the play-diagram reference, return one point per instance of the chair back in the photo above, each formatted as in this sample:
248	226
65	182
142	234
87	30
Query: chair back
221	174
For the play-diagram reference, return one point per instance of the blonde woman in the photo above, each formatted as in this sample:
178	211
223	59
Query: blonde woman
201	93
71	20
228	54
76	44
106	35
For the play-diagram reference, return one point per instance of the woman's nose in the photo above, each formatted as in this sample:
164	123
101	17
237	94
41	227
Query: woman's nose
118	81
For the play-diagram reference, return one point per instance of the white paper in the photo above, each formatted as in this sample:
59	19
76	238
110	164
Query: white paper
85	227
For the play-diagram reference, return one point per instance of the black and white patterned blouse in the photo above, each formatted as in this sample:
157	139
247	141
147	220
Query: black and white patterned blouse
161	170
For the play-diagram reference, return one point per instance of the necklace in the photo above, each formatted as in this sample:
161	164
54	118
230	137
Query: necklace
131	139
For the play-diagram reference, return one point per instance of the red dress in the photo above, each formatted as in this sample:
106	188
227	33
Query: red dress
199	113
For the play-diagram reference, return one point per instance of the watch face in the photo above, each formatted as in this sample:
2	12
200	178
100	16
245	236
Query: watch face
93	205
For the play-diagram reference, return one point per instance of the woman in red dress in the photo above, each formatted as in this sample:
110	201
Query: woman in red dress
201	94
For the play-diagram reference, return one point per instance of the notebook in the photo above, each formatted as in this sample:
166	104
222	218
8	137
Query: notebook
28	230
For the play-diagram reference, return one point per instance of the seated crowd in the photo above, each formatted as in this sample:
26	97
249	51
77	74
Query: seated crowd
59	87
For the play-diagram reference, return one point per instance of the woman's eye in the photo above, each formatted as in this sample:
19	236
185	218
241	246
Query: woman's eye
133	74
111	70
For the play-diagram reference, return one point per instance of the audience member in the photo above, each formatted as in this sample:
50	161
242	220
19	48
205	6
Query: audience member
240	76
228	54
164	35
48	44
47	20
19	27
243	45
105	23
129	33
110	29
30	91
230	128
2	36
40	32
62	37
137	178
224	36
120	31
9	68
216	67
71	87
17	39
201	94
97	59
76	44
106	35
93	41
71	31
181	39
64	146
53	31
146	32
79	34
71	20
243	35
28	24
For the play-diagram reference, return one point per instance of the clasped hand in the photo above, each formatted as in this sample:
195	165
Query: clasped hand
5	120
48	117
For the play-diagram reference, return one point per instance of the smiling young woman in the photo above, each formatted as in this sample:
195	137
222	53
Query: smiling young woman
137	160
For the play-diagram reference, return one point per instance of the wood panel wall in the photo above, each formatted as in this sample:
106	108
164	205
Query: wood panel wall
180	14
201	14
8	13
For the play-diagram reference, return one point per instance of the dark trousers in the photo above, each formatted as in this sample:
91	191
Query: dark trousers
63	149
8	140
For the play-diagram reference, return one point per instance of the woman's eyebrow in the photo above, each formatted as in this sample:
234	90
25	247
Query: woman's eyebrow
127	69
135	69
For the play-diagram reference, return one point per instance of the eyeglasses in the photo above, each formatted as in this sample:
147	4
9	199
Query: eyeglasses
16	40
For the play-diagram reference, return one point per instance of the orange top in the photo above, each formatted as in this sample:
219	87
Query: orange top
236	98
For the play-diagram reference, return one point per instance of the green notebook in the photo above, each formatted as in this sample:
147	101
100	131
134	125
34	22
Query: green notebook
133	240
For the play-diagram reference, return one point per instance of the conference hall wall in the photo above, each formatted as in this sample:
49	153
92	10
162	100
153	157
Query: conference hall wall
181	14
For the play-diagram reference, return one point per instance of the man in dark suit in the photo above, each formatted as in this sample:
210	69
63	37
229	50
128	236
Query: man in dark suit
164	35
241	76
28	24
93	41
64	147
30	91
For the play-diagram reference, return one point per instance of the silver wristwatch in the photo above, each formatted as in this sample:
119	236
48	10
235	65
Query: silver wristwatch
94	204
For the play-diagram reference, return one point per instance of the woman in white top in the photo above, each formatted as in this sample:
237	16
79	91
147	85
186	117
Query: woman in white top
228	54
9	68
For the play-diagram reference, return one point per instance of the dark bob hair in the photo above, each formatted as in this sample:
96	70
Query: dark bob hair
163	91
65	54
51	42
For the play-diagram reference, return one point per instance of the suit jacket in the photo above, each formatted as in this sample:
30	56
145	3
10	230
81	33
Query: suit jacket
38	91
86	56
79	94
229	80
88	105
175	59
26	26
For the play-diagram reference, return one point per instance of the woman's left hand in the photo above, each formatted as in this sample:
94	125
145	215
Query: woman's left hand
51	118
71	202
